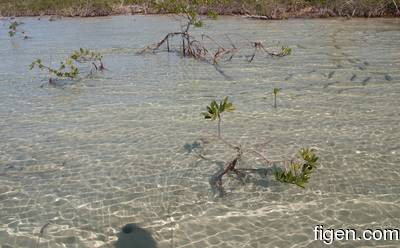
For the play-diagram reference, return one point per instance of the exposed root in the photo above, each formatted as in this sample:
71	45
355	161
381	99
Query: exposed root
201	50
271	166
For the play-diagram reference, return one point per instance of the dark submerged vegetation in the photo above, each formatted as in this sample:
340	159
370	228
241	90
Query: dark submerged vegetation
260	9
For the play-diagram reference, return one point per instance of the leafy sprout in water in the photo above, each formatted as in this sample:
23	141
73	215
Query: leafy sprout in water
298	173
69	68
276	91
86	55
296	170
193	17
13	28
215	110
285	51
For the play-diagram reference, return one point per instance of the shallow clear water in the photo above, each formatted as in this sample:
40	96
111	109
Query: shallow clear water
91	156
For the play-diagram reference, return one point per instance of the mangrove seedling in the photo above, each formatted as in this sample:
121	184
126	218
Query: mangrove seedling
285	51
203	48
215	110
298	172
86	55
13	28
189	47
68	69
276	91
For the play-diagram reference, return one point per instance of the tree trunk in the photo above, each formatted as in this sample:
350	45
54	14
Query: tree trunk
219	127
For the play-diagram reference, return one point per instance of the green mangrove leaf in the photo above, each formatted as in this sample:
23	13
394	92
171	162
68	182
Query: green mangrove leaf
277	90
299	173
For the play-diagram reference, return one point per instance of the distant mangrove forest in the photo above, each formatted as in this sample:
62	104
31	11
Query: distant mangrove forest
262	9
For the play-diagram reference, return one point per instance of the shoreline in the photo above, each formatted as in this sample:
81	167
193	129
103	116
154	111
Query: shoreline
278	13
59	17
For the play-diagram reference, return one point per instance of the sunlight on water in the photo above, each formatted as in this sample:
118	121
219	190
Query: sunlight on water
92	156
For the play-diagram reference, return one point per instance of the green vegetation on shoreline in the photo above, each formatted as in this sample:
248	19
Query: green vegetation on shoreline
265	9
